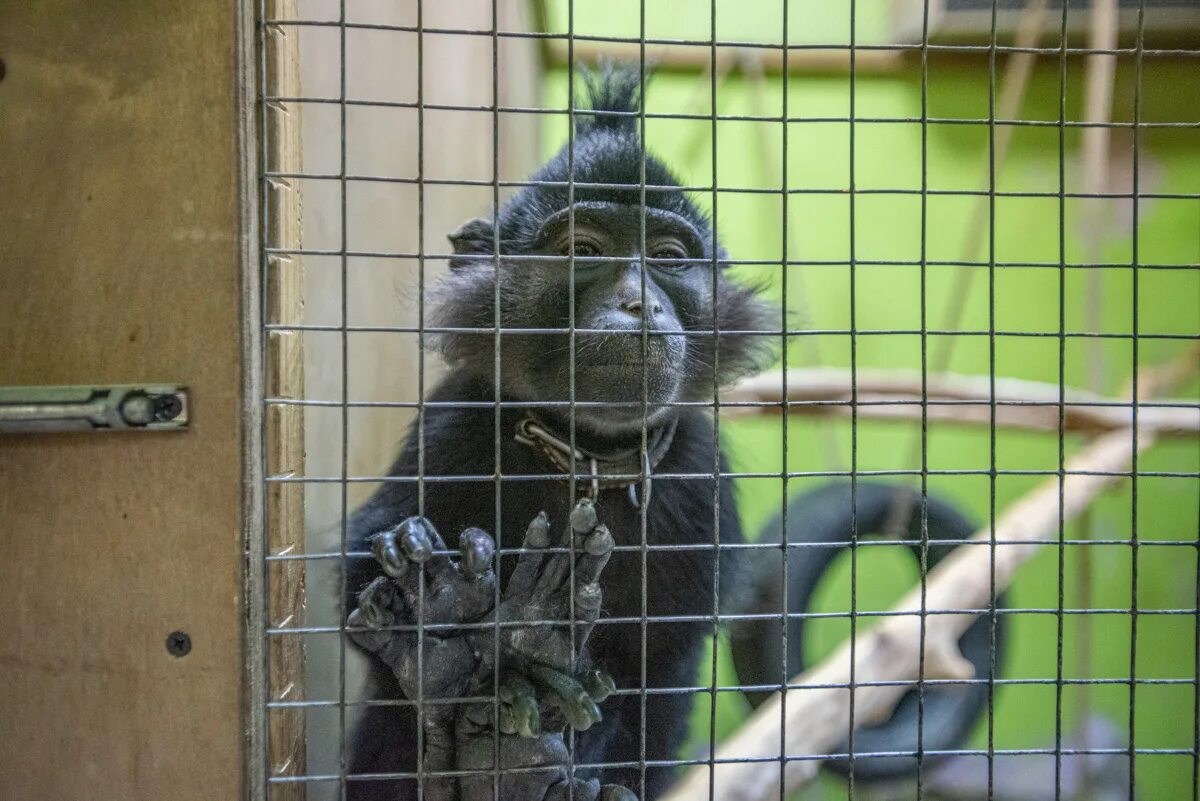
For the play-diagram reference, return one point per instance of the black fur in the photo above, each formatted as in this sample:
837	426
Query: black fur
461	442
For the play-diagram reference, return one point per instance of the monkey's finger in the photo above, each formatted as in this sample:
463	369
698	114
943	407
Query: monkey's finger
417	538
475	591
386	550
558	568
399	548
423	547
587	611
614	792
597	548
583	516
368	637
519	696
377	604
599	685
568	695
380	607
525	574
477	549
574	790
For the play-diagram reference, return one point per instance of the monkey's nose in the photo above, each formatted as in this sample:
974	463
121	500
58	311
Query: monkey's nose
634	307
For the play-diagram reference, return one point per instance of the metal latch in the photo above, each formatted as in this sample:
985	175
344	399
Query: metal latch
141	407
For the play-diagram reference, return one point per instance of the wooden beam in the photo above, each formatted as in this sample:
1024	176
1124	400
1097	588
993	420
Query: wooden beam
285	590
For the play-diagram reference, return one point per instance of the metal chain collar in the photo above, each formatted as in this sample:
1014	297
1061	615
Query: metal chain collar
626	468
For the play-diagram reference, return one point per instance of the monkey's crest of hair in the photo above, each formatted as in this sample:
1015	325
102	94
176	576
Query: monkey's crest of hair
605	162
612	89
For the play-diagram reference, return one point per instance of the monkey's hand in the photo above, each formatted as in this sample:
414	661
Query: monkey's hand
545	682
542	684
422	586
530	768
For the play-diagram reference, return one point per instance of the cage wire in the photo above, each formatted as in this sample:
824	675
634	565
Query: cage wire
319	183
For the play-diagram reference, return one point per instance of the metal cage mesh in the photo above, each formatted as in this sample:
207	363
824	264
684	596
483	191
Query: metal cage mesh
346	254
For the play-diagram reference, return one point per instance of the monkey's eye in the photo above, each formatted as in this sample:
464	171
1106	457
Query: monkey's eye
585	250
669	252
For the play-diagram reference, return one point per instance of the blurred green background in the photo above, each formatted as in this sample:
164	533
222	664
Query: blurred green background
887	227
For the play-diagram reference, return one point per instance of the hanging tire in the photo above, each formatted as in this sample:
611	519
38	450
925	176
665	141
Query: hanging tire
822	516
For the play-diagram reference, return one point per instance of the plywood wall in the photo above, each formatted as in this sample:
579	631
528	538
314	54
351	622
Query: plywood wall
383	218
120	263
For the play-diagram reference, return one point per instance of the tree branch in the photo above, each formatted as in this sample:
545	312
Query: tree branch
817	704
896	394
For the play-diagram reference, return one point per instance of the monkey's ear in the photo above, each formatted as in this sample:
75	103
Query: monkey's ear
473	237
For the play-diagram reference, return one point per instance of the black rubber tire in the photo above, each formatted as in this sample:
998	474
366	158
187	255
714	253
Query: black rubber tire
823	516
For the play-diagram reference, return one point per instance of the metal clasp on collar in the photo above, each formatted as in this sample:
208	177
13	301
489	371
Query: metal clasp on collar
645	480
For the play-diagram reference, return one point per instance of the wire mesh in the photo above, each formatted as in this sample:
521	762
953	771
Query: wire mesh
369	274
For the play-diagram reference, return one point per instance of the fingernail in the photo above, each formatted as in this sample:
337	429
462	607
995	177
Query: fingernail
477	550
393	563
538	533
583	517
414	539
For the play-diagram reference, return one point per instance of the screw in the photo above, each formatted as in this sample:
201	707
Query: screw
167	407
178	643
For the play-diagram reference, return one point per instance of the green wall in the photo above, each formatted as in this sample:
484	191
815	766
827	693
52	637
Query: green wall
887	227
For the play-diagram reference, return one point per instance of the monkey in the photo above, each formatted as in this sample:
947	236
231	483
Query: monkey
640	276
588	390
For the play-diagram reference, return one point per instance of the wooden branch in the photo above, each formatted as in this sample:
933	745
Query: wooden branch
818	718
694	58
809	385
1095	234
818	710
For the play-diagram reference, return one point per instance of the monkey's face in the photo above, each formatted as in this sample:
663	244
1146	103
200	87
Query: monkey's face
607	304
634	284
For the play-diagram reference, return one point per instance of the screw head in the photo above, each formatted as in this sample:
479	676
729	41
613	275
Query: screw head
167	407
178	643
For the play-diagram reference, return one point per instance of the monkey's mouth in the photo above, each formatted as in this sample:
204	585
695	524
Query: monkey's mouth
614	362
630	361
624	348
628	368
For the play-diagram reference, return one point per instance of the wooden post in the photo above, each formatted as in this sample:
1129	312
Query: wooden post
285	590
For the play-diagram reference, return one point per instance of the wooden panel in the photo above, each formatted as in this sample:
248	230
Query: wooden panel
384	217
383	366
119	262
285	591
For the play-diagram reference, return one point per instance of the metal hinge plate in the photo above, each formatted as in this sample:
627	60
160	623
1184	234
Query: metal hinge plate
120	407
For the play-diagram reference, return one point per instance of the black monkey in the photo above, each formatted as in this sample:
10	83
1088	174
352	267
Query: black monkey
644	340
